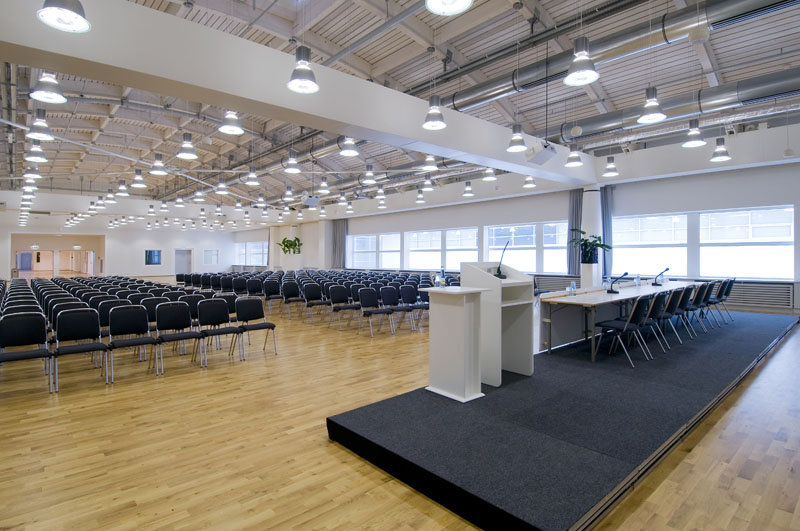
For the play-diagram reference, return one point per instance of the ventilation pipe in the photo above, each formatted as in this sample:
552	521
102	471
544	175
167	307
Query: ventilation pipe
774	86
666	29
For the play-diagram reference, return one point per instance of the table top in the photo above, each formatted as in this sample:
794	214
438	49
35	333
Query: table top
598	297
454	290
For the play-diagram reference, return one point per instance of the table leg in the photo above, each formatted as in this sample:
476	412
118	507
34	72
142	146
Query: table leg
593	321
550	328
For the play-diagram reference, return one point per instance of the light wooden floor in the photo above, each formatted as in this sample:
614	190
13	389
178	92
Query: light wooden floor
243	445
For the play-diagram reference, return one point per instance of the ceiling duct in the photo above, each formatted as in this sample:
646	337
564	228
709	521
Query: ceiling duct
662	30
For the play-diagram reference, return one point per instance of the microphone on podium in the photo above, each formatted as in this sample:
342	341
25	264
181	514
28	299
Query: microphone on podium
655	280
499	274
611	287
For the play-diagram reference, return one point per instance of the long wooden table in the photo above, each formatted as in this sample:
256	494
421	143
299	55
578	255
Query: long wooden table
590	300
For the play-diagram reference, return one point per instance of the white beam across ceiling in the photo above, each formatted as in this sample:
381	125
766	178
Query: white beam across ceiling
116	53
705	54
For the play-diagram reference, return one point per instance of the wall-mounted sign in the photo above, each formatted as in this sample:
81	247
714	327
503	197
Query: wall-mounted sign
34	247
76	247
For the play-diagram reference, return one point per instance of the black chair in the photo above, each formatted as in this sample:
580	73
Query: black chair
682	311
158	292
174	295
714	300
23	330
22	308
370	306
62	306
390	299
695	308
240	285
129	320
313	296
174	325
340	302
192	300
180	278
291	294
225	284
254	287
669	311
94	302
213	314
655	315
79	324
137	298
620	328
272	291
151	303
103	310
250	311
230	300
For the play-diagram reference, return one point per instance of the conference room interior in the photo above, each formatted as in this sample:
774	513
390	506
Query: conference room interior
394	144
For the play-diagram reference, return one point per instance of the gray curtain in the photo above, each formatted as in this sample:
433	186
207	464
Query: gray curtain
338	243
574	222
607	210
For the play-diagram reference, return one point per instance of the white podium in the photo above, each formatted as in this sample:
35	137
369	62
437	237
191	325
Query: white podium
506	322
454	361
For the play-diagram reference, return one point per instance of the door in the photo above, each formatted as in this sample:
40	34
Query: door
183	261
25	261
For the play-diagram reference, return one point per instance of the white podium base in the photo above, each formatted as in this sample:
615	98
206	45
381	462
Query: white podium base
461	399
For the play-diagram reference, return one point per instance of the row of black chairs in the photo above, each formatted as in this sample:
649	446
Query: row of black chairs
652	313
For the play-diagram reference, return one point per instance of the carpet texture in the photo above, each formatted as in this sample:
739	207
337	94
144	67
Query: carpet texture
541	451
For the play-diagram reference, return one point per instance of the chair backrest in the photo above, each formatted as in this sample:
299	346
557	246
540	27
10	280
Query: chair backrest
179	277
700	294
205	281
708	293
106	306
355	290
58	308
151	303
172	316
272	287
312	292
338	294
128	319
230	299
640	310
731	282
137	298
723	287
240	284
196	279
20	329
174	295
94	302
144	289
249	309
20	301
213	312
124	293
368	297
77	323
88	295
254	286
408	294
192	301
673	301
389	296
686	298
659	304
23	308
290	289
158	292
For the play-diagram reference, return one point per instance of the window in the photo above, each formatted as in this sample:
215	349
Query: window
152	258
424	249
645	245
747	243
554	251
461	245
241	253
521	252
389	251
361	251
210	256
257	253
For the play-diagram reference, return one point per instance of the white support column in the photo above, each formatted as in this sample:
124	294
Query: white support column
592	223
693	245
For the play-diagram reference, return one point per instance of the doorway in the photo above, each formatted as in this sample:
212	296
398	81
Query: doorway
25	261
183	261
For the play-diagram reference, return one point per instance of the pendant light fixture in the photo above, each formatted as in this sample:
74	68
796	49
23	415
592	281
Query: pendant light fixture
529	182
199	196
252	179
427	184
322	212
489	175
434	120
381	204
202	214
420	198
369	176
39	129
348	148
36	153
611	168
517	142
429	164
299	214
138	180
720	152
164	207
381	194
280	217
651	112
179	203
582	71
695	138
468	190
231	125
158	166
291	164
122	190
222	188
342	200
64	15
29	186
238	207
574	158
302	80
32	172
265	214
110	198
447	8
47	90
218	210
187	151
323	186
287	195
151	211
260	202
349	209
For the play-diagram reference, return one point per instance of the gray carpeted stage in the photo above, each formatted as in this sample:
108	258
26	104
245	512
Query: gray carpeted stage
550	451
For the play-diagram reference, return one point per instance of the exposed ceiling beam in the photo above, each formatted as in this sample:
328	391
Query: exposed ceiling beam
705	54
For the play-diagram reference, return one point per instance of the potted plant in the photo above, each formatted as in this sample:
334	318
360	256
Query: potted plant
290	246
588	246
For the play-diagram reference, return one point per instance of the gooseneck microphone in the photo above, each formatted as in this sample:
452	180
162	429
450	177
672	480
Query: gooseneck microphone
655	280
499	274
611	287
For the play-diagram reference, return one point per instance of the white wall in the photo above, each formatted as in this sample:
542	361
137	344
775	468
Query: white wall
312	236
125	251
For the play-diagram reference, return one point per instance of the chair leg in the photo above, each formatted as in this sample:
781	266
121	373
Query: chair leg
371	333
642	345
658	339
727	310
274	341
55	362
625	350
675	331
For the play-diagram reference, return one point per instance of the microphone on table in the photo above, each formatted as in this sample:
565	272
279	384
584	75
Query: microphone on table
611	287
655	280
499	274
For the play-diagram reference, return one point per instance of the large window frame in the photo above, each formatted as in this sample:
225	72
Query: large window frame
659	239
460	245
382	251
252	253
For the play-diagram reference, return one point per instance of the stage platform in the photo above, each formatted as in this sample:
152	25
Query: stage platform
555	450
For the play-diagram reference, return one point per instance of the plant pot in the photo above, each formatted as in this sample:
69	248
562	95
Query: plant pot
589	256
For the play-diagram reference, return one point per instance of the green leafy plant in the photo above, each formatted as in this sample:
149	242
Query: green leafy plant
290	246
588	245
